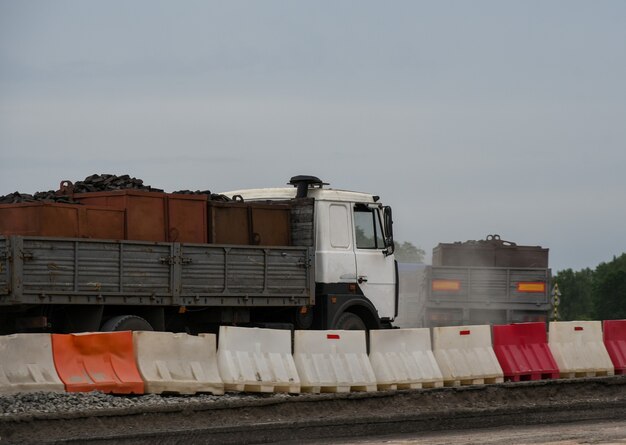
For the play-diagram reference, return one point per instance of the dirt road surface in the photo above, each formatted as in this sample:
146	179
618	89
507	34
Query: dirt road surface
578	433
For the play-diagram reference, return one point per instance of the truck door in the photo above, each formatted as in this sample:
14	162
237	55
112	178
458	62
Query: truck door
334	256
375	270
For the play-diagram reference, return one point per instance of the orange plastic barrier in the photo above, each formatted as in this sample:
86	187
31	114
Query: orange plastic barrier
100	361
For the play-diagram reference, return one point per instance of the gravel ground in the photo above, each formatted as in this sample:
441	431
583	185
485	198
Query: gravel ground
30	404
246	418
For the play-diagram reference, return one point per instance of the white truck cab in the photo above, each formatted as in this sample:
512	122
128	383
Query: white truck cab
355	270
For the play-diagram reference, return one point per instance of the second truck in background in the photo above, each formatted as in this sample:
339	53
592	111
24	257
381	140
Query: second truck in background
490	281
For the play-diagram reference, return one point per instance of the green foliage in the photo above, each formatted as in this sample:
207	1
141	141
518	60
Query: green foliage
406	252
609	289
598	294
576	294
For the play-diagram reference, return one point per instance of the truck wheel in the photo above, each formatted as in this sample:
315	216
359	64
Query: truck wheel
126	323
350	322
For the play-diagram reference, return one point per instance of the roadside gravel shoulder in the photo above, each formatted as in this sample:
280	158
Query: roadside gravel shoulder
249	418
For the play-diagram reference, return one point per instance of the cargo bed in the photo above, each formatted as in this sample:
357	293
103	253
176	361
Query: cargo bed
478	295
41	270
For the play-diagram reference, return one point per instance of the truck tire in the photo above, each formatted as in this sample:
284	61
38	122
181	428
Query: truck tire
350	322
126	323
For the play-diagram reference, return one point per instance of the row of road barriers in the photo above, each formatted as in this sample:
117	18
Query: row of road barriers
262	360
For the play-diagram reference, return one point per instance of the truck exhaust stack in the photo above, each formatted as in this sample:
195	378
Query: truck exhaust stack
302	182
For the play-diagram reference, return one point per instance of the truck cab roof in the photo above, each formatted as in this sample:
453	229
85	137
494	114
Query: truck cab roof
285	193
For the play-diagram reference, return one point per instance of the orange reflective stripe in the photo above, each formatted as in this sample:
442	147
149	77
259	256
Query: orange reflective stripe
531	286
449	285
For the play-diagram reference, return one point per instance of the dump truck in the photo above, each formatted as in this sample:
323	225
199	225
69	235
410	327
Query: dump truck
303	256
490	281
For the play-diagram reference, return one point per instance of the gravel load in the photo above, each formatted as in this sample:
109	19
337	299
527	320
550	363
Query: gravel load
107	183
210	196
49	196
93	183
97	183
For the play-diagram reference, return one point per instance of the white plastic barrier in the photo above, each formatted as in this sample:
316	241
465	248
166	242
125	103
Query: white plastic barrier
257	360
26	364
333	361
465	355
403	359
180	363
578	348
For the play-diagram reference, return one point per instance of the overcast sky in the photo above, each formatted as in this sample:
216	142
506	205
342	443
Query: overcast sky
468	117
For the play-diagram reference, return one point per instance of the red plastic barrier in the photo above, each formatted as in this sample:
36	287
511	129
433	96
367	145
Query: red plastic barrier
523	352
615	342
103	361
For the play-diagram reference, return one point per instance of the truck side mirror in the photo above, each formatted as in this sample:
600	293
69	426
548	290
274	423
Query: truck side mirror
388	229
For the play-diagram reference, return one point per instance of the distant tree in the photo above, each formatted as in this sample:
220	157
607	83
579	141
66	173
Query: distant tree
406	252
598	294
576	302
609	289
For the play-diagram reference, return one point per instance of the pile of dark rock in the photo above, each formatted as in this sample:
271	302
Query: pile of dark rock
93	183
49	196
97	183
107	183
210	196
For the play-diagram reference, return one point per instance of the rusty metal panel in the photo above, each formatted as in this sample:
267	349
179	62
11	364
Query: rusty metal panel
39	219
102	223
492	252
458	255
187	218
250	224
145	216
271	225
145	211
228	223
61	220
521	256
